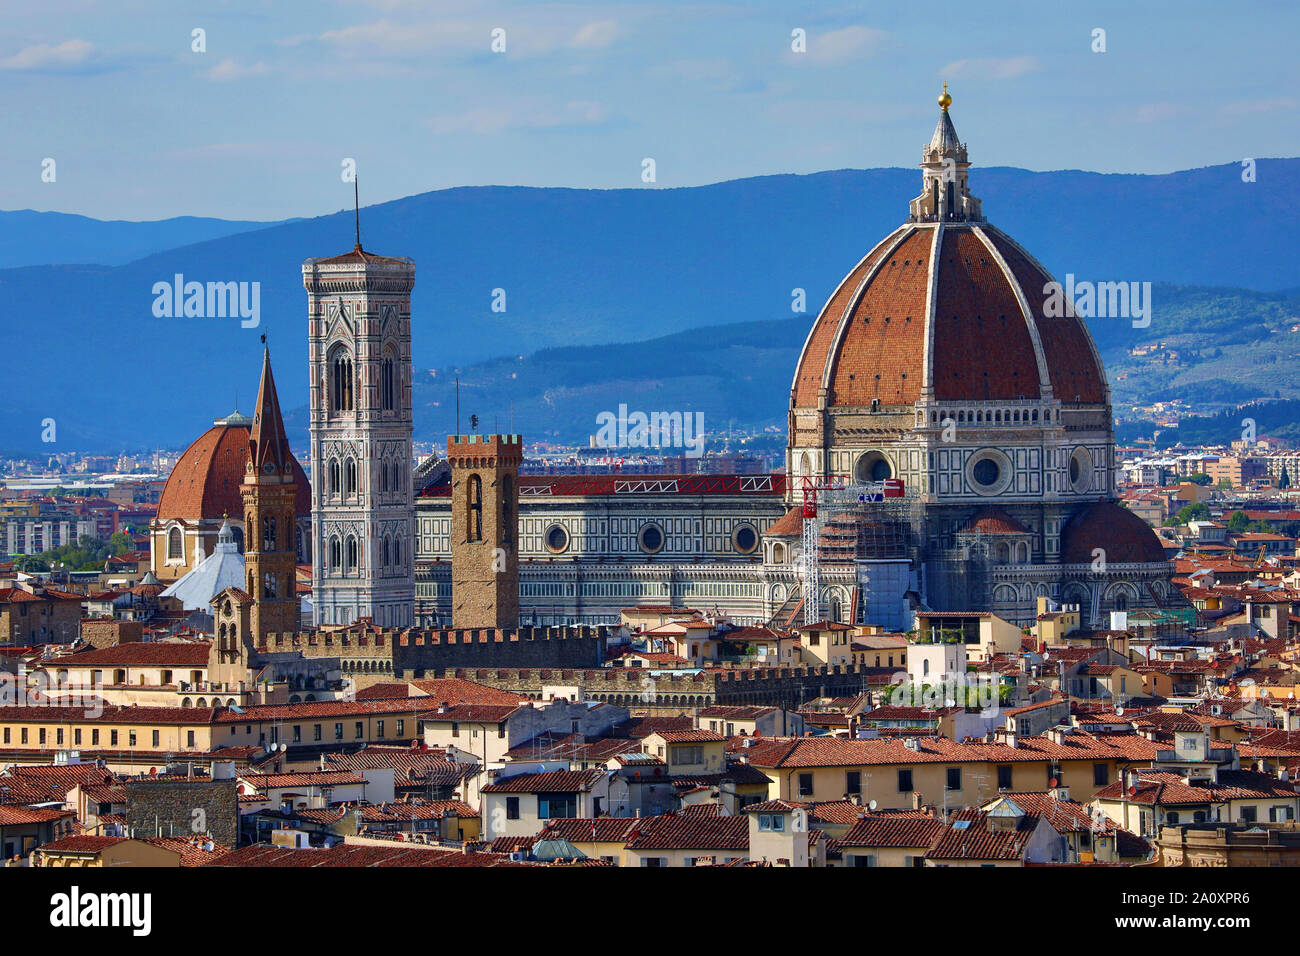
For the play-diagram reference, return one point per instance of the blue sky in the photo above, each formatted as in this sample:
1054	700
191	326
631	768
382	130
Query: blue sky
256	127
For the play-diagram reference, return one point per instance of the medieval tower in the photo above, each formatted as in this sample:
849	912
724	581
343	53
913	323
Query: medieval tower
269	489
363	515
484	529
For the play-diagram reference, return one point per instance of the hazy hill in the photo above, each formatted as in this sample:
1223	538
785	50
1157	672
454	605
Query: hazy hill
587	267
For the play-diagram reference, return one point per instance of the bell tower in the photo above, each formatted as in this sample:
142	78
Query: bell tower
269	490
363	512
485	529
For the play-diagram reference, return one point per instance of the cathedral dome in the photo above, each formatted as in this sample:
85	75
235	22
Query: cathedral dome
946	308
205	480
1122	536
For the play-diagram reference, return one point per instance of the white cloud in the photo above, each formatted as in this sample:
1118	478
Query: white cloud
991	68
1247	107
596	35
228	69
841	45
43	57
497	119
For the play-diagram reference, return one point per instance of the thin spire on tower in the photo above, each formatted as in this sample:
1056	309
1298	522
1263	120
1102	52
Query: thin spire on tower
356	207
267	442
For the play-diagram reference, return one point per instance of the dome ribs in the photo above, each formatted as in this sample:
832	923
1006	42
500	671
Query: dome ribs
205	481
982	346
880	354
812	362
1072	362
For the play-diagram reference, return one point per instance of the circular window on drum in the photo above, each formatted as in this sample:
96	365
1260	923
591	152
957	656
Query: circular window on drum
650	538
873	466
1080	470
989	472
557	539
745	538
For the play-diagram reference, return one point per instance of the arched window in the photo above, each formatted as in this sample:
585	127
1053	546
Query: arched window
175	547
334	476
351	554
268	535
1121	601
474	509
269	589
397	552
341	380
388	383
336	554
386	550
383	476
349	478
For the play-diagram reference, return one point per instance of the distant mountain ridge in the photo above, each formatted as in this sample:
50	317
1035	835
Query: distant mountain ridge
590	267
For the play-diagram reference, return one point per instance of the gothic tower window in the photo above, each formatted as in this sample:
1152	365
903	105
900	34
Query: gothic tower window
386	550
387	381
268	586
175	548
351	554
350	478
341	381
336	554
268	534
474	502
334	476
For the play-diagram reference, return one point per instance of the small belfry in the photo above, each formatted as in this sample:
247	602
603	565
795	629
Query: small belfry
269	490
945	193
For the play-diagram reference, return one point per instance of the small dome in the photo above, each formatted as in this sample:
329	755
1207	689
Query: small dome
205	480
1121	535
993	521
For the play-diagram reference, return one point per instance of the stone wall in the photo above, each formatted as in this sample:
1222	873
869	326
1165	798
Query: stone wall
107	632
183	808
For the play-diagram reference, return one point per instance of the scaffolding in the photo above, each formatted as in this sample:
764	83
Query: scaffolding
845	522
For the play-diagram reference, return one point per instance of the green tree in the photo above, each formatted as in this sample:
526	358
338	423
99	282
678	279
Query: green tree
1238	522
1199	511
1201	479
119	543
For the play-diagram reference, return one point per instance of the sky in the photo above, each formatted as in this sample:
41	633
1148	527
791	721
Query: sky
259	123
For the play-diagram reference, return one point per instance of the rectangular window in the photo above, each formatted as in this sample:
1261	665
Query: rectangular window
7	732
360	729
94	737
401	728
189	738
1248	815
512	808
76	736
297	733
112	738
155	739
1100	774
379	729
905	781
553	806
315	732
455	729
954	778
338	730
853	781
1004	776
805	784
130	738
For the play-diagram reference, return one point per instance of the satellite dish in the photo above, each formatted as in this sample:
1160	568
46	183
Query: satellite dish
1132	791
871	804
1119	711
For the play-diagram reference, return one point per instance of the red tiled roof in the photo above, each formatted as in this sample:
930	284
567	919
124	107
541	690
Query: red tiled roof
674	832
555	781
141	654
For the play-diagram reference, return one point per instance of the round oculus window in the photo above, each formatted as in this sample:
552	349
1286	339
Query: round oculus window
745	539
557	539
651	538
986	472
